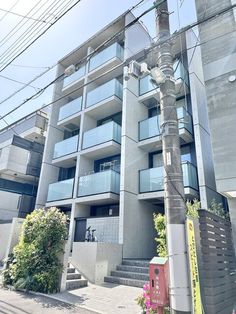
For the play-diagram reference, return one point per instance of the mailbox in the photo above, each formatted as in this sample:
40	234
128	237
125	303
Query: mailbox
158	274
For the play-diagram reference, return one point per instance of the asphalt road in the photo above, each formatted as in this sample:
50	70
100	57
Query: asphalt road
14	302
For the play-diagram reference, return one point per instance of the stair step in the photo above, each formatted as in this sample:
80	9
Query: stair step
135	269
131	275
140	263
76	283
125	281
70	270
71	276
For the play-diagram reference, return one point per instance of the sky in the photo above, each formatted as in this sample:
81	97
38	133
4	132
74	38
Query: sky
83	21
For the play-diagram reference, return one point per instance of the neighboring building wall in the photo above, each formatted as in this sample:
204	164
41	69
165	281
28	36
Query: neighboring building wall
206	175
5	228
218	36
21	151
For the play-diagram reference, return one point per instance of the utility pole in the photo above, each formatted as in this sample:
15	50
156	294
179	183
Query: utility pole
174	198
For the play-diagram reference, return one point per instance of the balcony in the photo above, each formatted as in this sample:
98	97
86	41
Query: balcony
149	91
61	190
69	112
76	77
100	187
64	149
102	141
106	59
150	130
151	182
105	100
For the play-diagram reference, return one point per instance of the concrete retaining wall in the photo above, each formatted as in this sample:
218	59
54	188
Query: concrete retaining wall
95	260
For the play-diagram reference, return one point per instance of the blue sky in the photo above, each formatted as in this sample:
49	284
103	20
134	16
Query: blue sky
88	17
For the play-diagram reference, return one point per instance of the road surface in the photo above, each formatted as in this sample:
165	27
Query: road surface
14	302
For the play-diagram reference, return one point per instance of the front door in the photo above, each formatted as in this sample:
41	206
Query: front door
80	230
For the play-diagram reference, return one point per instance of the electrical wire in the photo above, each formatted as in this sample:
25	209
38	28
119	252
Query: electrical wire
49	68
40	30
17	26
98	48
16	81
4	15
24	16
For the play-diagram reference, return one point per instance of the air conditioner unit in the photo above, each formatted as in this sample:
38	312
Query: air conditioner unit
70	70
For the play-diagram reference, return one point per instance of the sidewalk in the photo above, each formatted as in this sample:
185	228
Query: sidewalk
105	299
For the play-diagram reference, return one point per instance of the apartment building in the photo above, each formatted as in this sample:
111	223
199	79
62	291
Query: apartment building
21	152
102	162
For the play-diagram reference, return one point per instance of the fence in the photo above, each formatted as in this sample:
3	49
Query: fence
217	263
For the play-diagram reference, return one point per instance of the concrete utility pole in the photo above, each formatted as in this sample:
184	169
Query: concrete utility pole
174	197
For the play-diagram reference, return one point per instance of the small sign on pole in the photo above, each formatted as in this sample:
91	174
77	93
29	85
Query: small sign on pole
193	266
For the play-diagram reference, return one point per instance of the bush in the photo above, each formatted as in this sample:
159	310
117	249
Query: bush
35	262
160	226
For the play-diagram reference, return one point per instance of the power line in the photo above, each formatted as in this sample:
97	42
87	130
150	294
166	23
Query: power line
93	52
32	26
24	16
42	33
17	27
99	47
16	81
4	15
27	84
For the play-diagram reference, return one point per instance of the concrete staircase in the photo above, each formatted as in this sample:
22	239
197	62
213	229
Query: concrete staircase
74	279
131	272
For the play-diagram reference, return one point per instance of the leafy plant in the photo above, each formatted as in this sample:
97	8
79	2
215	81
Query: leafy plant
192	208
218	209
160	226
35	262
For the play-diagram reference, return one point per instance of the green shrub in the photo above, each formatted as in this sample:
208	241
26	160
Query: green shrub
192	208
35	263
160	226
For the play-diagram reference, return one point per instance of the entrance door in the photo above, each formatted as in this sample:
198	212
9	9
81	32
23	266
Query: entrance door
80	230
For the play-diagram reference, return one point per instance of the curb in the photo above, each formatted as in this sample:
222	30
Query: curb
53	297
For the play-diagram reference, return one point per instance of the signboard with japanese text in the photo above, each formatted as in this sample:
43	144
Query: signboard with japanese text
193	266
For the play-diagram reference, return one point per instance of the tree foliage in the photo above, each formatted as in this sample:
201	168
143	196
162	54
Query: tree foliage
160	227
35	263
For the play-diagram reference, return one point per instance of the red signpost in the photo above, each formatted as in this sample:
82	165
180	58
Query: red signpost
158	273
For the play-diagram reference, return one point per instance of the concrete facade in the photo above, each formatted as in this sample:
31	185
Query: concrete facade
102	157
21	151
218	38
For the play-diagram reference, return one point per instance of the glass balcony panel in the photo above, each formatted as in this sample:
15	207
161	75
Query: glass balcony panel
185	119
149	128
66	147
74	77
111	88
153	179
60	190
104	133
190	175
146	84
100	182
115	50
70	108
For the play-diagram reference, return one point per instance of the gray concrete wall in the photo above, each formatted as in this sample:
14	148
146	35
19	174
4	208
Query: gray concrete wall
202	137
136	230
219	63
95	260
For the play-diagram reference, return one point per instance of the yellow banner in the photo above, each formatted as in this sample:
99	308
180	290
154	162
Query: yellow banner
194	274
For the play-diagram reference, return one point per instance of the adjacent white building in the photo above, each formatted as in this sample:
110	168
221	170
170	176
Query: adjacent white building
21	151
102	163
